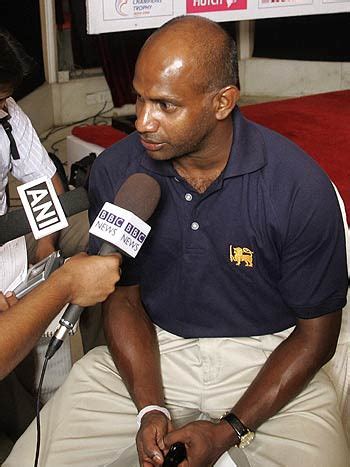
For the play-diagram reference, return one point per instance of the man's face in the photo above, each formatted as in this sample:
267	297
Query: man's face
6	91
174	117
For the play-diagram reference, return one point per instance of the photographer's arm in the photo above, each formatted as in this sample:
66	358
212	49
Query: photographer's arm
82	280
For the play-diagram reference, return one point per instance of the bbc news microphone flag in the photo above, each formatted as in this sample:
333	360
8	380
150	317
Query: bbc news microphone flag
121	228
42	207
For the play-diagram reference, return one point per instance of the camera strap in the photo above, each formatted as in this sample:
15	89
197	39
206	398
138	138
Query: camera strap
4	121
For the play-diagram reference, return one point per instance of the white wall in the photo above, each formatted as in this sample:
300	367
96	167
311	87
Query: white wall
39	106
270	77
70	99
64	103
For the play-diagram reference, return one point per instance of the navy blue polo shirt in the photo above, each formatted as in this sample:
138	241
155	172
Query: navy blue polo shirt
263	246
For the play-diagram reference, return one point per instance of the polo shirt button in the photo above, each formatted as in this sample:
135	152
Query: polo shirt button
176	179
194	226
188	197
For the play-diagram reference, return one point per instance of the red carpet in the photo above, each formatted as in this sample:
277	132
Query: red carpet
320	124
102	135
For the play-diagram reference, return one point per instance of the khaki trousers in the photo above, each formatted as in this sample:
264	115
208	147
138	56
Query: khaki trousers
91	419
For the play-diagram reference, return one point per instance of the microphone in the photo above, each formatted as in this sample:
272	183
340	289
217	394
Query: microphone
123	228
176	454
15	223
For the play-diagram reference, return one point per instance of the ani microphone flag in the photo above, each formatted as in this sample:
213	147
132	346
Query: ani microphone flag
42	207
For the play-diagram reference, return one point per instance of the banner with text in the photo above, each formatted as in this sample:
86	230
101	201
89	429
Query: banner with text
123	15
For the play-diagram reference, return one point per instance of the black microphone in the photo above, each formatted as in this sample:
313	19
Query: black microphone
176	454
15	223
122	226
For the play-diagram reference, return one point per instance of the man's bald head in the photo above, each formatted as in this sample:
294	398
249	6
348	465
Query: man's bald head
208	51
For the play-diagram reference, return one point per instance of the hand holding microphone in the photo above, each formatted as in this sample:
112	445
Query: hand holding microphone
90	279
86	279
123	228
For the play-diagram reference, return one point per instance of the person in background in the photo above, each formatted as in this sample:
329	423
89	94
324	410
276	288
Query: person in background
219	329
24	157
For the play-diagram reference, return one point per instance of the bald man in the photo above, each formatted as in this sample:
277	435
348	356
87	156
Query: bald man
220	328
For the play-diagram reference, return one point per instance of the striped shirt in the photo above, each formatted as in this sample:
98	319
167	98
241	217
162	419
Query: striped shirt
34	161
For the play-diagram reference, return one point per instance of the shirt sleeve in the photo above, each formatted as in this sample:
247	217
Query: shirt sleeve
34	160
314	274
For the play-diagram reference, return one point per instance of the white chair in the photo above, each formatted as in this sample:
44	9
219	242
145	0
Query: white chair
338	369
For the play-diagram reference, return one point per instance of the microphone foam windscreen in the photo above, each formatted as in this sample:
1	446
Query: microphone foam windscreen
140	194
74	201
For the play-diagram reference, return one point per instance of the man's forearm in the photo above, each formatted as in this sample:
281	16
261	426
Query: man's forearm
289	369
133	344
286	372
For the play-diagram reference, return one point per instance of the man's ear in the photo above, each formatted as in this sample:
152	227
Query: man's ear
225	101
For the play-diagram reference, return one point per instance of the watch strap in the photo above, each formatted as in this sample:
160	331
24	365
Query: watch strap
236	424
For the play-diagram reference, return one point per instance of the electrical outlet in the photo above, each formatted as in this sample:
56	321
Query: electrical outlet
63	76
98	97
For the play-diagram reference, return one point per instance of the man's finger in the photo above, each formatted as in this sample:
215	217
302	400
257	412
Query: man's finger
150	460
154	456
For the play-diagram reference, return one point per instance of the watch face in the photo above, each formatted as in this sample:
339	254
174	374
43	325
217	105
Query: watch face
246	439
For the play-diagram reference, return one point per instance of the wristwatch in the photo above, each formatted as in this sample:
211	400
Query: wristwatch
244	434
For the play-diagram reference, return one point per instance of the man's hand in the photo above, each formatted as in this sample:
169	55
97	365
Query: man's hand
90	279
150	438
205	442
6	301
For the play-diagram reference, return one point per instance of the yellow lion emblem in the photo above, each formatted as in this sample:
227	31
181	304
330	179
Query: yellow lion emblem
239	255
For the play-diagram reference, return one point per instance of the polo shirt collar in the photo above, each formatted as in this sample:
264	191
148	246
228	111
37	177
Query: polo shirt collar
247	152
